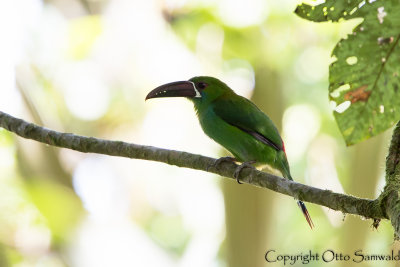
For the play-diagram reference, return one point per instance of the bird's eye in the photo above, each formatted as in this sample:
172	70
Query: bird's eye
201	85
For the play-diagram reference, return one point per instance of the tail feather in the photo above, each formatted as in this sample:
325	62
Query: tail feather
303	208
284	168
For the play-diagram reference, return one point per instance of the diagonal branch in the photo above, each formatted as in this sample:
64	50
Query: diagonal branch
340	202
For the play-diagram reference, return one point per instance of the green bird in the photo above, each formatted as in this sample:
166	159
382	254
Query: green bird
235	123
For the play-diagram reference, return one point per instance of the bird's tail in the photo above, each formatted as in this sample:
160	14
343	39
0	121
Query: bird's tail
286	173
304	210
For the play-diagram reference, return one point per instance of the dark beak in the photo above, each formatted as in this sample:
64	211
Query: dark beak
175	89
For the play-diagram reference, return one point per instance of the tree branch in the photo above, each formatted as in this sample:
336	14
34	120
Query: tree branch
390	199
340	202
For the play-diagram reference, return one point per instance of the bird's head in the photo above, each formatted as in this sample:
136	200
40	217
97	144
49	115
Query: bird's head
198	89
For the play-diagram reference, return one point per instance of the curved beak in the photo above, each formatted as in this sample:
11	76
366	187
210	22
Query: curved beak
175	89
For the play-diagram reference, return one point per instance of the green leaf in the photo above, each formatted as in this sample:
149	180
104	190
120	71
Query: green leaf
364	79
329	11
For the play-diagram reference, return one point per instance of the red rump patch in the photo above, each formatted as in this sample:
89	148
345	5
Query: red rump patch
283	146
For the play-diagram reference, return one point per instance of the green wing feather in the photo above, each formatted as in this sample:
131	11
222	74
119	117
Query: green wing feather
242	113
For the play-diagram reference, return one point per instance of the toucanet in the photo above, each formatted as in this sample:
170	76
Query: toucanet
235	123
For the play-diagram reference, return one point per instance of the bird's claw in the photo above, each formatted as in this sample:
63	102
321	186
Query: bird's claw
245	164
220	160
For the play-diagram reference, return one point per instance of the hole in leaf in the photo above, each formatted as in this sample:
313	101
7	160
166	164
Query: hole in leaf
381	108
381	14
333	59
351	60
336	93
353	10
332	104
343	107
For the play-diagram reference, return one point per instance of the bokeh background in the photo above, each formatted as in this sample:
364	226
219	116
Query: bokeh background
85	66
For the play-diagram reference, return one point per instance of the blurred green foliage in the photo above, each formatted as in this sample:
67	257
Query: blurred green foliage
168	232
58	204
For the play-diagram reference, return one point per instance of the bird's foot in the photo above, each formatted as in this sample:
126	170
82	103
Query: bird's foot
245	164
220	160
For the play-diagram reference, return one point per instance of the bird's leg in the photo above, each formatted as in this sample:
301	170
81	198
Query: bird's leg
220	160
241	167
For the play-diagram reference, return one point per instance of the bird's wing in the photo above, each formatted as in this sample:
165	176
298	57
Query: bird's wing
243	114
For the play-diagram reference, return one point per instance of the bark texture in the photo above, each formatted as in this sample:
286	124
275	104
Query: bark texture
386	206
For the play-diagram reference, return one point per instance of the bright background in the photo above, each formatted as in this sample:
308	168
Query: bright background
85	66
